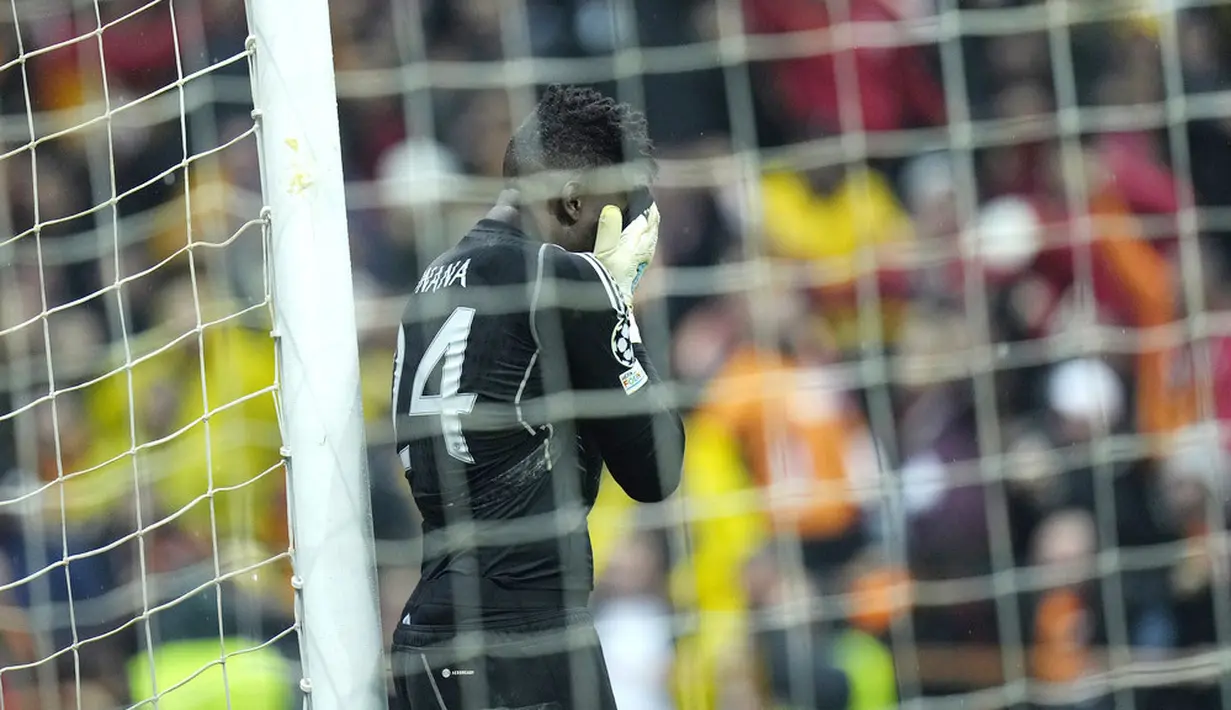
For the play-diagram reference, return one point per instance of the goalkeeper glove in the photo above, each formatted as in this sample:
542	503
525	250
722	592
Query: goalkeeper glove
627	251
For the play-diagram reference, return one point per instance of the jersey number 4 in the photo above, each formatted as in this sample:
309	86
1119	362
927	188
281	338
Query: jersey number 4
447	351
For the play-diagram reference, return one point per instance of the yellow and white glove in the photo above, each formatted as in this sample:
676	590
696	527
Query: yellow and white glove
626	251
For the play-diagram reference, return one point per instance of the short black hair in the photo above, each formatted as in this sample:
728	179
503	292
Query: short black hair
576	128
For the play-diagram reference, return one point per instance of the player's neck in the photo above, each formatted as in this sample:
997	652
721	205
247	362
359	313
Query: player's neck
509	210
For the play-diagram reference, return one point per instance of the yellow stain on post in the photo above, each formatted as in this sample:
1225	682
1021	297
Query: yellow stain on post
300	180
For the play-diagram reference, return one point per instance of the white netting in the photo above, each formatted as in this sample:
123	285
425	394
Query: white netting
144	508
1025	200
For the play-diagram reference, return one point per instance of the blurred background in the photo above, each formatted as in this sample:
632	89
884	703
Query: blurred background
943	283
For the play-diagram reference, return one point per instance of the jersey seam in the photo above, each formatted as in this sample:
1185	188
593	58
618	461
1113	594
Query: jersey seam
538	344
534	297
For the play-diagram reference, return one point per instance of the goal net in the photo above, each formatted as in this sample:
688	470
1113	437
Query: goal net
941	288
153	386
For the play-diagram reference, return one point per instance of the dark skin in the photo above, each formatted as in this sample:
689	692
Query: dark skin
569	221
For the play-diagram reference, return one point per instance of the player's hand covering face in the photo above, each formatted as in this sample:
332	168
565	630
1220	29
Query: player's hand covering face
627	249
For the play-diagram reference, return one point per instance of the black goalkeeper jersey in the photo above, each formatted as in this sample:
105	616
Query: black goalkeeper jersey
519	372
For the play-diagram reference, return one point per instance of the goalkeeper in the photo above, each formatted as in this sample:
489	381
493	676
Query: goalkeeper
519	373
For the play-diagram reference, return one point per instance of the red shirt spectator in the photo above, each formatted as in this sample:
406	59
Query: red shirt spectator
895	88
140	51
1140	177
1146	184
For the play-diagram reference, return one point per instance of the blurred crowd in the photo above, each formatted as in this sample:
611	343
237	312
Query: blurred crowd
941	282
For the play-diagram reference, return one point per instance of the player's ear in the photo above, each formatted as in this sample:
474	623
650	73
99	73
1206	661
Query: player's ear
568	207
562	214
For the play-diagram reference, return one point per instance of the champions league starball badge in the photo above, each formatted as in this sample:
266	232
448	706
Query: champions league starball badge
622	342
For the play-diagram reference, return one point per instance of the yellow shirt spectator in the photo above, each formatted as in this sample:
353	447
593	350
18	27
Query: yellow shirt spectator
726	528
190	676
187	451
833	229
861	212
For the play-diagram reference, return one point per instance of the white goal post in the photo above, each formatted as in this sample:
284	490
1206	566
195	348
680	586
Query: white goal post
318	354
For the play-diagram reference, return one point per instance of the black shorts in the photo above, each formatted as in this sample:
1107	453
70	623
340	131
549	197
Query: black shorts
549	662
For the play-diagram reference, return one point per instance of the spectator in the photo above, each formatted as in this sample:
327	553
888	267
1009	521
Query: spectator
892	81
634	623
808	459
1066	620
849	224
